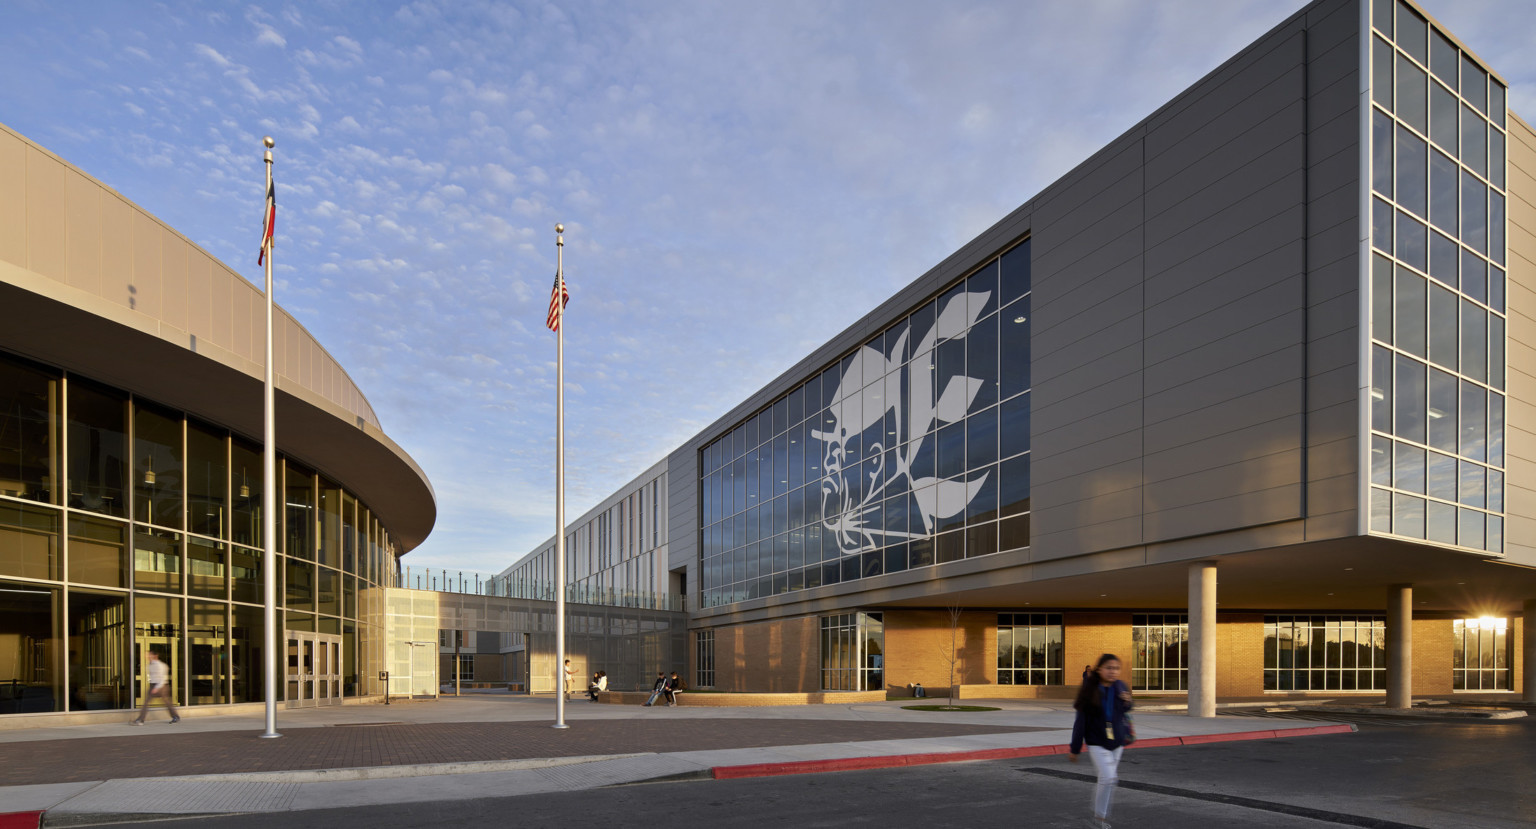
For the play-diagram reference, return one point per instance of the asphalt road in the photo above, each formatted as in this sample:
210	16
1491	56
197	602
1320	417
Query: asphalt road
1428	774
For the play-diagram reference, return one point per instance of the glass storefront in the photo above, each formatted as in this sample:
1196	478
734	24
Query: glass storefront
1029	649
853	652
1160	652
1325	653
127	527
911	451
1480	657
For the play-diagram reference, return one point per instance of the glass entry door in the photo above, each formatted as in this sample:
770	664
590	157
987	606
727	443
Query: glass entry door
314	669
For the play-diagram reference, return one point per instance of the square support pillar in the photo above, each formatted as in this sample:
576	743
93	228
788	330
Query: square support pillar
1528	651
1202	639
1400	646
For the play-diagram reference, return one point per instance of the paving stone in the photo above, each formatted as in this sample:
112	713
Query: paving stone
228	752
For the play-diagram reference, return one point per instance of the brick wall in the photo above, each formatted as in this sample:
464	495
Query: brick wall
1091	635
917	647
1239	654
782	655
1433	646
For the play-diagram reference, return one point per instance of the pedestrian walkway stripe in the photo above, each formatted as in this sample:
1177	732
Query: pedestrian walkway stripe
901	760
1342	818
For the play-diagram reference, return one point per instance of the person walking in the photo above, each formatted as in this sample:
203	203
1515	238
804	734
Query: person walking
569	672
159	686
1103	704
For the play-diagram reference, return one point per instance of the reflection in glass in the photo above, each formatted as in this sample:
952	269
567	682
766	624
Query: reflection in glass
1410	312
1442	476
98	449
1410	400
1408	468
29	430
1412	163
157	560
1408	515
1381	74
207	479
1443	125
1381	153
1381	460
1442	410
1412	92
1443	207
157	466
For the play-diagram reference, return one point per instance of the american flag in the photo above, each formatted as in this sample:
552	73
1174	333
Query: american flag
558	297
268	219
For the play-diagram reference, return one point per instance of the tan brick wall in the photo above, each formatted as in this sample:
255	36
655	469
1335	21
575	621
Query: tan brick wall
1091	635
1239	654
782	655
1517	660
747	700
917	648
1433	646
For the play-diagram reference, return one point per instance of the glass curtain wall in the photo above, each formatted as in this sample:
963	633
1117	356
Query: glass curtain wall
127	527
1325	653
911	451
1029	649
1160	652
1437	285
704	661
1480	658
853	652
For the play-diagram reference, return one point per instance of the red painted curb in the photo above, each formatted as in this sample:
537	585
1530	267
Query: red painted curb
1201	739
900	760
21	820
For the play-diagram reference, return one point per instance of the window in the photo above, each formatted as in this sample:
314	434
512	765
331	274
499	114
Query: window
1480	659
704	660
1159	652
1324	653
465	663
1029	649
853	652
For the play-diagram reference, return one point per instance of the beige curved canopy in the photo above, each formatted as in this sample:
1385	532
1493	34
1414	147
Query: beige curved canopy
91	282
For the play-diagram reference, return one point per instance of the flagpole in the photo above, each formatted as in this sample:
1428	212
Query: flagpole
560	479
269	485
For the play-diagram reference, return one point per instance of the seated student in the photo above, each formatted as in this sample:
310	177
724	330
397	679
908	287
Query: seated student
599	683
672	687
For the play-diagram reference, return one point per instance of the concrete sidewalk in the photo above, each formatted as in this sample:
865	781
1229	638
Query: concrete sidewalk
502	746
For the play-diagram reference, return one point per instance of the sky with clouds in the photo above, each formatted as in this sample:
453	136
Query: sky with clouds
738	183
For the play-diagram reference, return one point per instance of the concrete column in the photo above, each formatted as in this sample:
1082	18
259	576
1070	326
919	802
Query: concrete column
1400	646
1528	651
1202	639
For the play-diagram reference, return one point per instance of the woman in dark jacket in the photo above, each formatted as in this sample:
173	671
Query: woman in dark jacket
1102	704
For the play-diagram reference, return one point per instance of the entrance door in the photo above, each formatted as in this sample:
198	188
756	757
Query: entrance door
314	669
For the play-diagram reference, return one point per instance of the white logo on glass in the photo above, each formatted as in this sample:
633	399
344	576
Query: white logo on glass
936	500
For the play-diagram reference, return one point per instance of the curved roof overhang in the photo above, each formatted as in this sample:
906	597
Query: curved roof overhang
55	323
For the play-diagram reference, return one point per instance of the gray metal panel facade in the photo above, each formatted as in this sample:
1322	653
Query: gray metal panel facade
1195	322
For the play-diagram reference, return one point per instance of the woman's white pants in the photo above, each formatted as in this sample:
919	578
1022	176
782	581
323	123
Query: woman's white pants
1107	764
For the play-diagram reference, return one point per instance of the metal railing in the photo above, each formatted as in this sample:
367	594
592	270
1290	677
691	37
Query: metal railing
468	581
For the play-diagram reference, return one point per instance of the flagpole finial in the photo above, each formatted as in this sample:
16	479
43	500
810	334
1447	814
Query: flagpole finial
268	142
559	240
